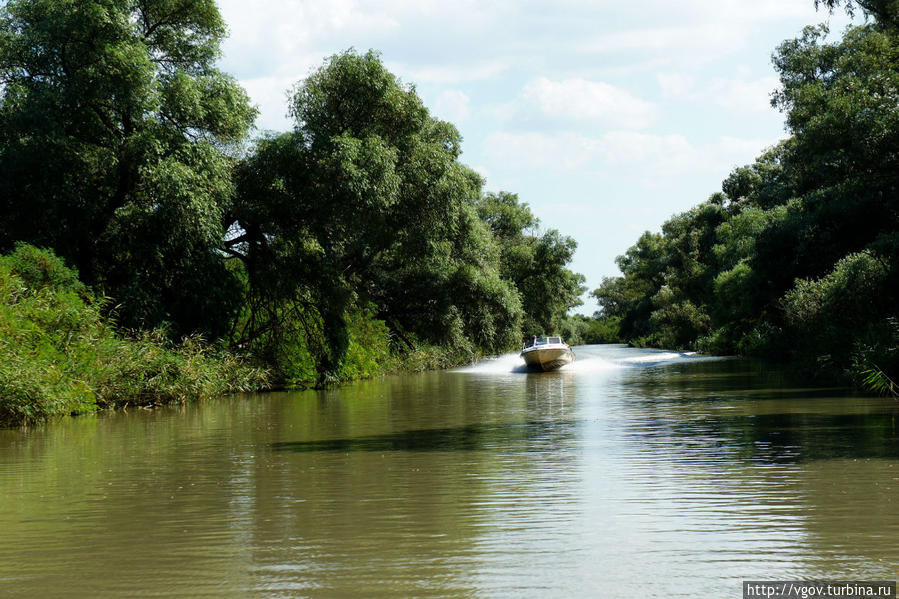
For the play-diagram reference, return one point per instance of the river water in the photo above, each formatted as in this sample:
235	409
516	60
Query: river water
630	473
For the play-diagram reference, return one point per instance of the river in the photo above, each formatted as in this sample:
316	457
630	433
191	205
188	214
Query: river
630	473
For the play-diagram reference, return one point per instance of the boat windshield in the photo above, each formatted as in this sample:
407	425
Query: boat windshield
544	341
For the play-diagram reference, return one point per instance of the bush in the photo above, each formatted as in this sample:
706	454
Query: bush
368	353
875	358
678	324
60	355
846	297
839	324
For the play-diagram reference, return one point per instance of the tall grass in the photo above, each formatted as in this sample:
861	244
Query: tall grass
875	360
60	355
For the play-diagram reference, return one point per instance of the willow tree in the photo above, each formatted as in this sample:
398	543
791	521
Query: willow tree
365	204
535	263
115	129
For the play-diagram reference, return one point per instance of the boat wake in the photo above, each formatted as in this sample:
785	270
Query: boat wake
513	363
589	359
503	364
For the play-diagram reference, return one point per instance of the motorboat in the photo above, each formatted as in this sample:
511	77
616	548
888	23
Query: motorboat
547	353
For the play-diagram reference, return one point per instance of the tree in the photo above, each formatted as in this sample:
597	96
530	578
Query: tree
535	264
365	204
629	298
885	12
115	137
842	105
804	242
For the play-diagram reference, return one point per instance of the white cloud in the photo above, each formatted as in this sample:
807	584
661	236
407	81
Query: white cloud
651	157
270	94
611	102
742	94
583	100
676	85
452	105
449	73
657	158
481	170
698	32
737	151
281	28
461	13
544	103
649	153
701	42
563	151
736	94
654	156
755	11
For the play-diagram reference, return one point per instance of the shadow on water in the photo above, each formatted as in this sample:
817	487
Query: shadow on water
527	436
742	412
783	438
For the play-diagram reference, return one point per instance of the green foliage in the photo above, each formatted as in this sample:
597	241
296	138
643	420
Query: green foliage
884	12
59	354
734	291
678	324
851	289
630	297
855	291
535	264
41	269
325	252
366	203
434	357
578	329
842	105
796	256
508	219
294	358
604	330
115	130
875	358
368	353
875	379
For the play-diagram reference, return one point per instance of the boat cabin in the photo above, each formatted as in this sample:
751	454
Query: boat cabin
544	341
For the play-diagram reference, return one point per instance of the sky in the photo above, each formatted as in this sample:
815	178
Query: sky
606	118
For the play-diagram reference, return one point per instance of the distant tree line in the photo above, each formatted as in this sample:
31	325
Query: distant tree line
323	252
797	257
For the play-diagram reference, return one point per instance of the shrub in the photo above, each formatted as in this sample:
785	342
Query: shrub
60	355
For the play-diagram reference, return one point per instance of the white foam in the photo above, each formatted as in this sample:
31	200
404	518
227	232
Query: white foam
503	364
510	363
590	359
590	364
658	357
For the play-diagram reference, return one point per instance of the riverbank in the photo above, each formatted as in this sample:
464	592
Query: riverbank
859	369
60	355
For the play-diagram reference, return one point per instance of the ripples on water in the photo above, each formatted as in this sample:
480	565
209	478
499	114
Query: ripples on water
627	473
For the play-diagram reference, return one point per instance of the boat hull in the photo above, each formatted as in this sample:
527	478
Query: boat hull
546	359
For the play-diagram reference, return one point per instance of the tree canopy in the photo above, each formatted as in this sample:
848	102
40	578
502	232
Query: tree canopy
797	255
365	204
536	264
318	250
115	129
